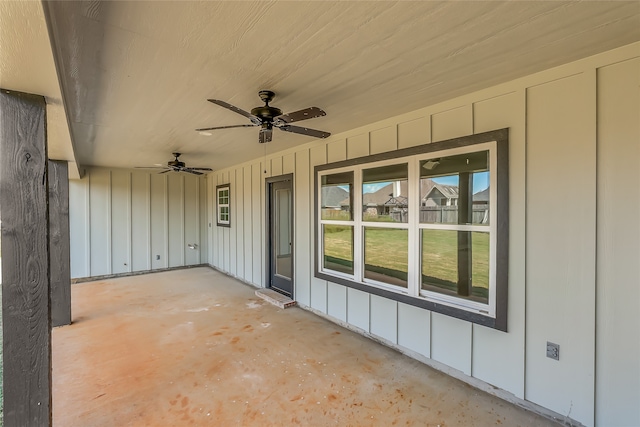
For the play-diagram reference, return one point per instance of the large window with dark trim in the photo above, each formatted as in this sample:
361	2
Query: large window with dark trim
427	226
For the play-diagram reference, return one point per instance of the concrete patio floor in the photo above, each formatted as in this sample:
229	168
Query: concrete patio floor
196	348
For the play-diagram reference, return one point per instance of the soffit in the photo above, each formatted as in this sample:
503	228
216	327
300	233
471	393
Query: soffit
26	65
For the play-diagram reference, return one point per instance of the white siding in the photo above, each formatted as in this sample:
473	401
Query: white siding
257	183
159	224
451	342
358	306
317	156
238	220
382	140
384	318
414	329
561	154
337	301
203	200
140	222
618	273
100	226
120	223
79	228
358	146
191	220
120	220
248	226
414	132
175	184
302	213
231	233
452	123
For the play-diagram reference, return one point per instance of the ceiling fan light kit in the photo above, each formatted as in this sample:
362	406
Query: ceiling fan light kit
268	117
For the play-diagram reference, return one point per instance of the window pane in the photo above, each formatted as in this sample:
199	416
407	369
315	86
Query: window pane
455	189
338	248
481	198
456	263
386	255
336	196
384	194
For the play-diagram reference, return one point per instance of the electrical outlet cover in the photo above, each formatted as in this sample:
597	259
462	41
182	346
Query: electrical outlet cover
553	351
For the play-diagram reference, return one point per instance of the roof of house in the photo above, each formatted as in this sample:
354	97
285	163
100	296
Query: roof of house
481	196
334	195
448	191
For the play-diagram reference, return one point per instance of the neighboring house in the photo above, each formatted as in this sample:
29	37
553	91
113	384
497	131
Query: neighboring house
388	199
481	197
446	196
441	195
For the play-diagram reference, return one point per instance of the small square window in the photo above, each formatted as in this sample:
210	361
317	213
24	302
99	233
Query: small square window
223	199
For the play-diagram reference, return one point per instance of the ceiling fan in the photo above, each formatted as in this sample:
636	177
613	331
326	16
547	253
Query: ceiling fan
176	165
268	117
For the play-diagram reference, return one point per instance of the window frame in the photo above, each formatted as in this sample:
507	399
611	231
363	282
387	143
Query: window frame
492	315
219	189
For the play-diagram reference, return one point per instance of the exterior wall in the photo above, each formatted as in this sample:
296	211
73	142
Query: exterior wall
573	273
618	245
121	220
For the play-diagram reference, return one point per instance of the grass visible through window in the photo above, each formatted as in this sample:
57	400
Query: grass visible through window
440	262
387	251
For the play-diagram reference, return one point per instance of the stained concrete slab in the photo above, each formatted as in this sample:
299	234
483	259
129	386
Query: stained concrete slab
197	348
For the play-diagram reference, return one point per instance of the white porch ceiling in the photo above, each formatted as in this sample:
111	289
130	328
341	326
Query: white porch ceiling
136	75
27	65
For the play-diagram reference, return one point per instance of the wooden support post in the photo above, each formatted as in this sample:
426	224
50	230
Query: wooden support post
59	243
25	260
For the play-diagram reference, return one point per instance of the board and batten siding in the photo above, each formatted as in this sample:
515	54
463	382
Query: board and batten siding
573	239
124	221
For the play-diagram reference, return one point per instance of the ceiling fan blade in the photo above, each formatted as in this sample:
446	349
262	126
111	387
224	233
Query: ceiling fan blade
305	131
235	109
201	169
296	116
226	127
191	170
165	171
265	135
150	167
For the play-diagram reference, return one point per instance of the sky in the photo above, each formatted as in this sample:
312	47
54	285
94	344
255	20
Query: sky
480	180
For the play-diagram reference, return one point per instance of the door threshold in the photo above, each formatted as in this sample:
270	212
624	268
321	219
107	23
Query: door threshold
275	298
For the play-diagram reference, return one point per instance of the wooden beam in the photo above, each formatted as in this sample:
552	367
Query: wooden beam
25	260
59	243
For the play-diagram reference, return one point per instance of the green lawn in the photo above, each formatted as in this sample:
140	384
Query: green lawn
440	261
386	249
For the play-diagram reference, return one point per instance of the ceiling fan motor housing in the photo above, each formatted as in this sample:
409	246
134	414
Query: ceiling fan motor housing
176	163
266	113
